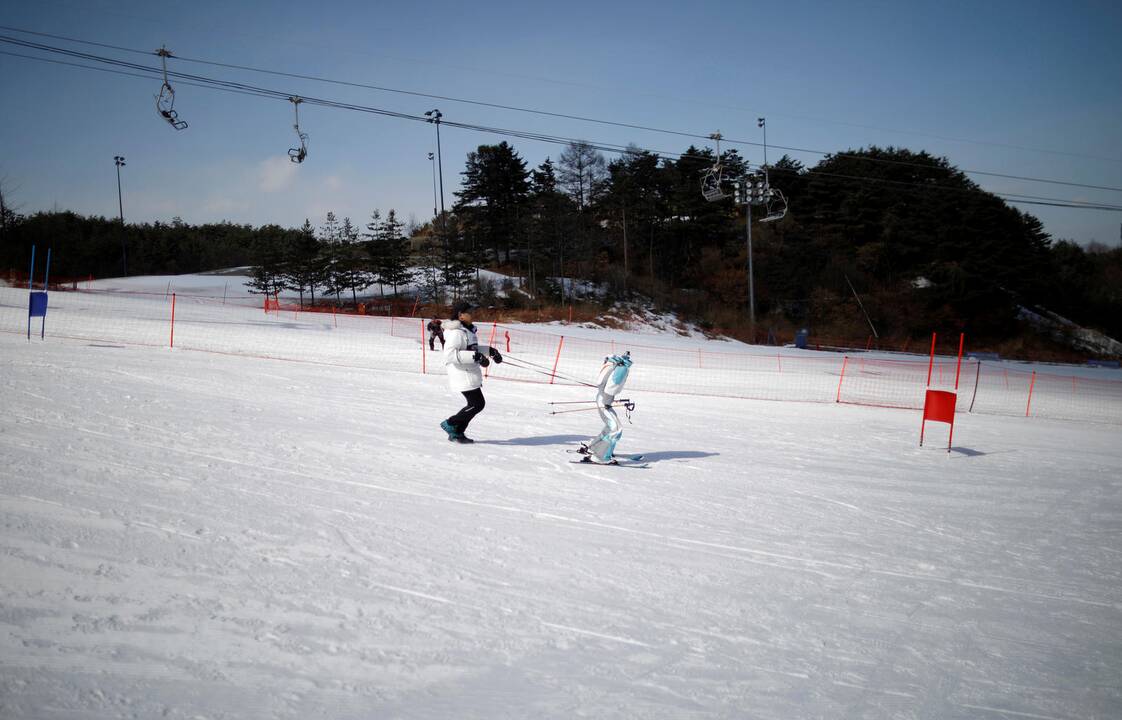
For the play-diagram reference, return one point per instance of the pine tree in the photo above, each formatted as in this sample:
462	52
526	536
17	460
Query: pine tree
493	194
372	243
301	266
352	261
271	244
549	213
329	270
395	269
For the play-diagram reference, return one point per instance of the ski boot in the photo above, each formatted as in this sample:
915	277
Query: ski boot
455	435
447	427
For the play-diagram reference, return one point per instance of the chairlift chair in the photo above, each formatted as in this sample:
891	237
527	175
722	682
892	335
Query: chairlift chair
776	204
165	101
711	184
297	155
712	181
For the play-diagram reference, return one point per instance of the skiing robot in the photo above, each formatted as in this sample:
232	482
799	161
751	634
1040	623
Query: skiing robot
610	382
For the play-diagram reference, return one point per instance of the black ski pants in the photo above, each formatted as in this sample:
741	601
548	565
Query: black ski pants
475	405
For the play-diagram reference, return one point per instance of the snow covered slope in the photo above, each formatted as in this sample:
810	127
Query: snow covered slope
197	535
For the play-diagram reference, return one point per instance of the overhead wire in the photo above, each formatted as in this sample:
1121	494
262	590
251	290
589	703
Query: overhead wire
579	118
191	79
737	108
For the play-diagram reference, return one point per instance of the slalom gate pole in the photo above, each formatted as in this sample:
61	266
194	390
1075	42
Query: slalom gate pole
171	343
977	379
958	366
560	344
490	344
931	361
841	379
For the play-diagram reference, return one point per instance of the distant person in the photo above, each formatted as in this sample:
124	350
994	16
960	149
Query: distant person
436	332
463	356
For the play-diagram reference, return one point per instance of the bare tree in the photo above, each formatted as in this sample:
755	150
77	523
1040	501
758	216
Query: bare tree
581	169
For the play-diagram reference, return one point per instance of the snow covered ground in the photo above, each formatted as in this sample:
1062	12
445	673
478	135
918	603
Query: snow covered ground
199	535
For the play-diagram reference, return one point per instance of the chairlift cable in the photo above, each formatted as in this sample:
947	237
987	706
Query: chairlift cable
243	88
574	117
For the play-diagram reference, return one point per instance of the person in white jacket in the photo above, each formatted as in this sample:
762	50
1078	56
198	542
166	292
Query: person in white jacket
613	375
463	358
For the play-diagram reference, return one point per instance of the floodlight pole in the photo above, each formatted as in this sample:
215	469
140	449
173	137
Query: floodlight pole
434	116
762	123
751	281
432	159
120	161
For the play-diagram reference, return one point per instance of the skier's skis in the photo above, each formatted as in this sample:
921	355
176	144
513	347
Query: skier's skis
582	450
628	463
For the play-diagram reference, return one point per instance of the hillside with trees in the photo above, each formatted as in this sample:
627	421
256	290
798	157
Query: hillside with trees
910	236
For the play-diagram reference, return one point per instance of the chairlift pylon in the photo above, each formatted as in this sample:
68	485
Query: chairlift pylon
165	101
712	180
297	155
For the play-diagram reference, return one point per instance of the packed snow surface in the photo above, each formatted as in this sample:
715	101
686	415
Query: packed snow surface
198	535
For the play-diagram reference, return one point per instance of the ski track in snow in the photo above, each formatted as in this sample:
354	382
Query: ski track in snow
196	535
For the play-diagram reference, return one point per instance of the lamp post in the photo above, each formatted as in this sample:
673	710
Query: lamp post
751	283
754	195
120	162
762	123
434	116
432	160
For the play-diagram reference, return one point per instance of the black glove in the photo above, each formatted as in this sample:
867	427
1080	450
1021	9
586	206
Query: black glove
481	359
495	355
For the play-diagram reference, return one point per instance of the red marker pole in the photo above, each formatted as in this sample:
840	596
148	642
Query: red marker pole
931	362
958	367
556	360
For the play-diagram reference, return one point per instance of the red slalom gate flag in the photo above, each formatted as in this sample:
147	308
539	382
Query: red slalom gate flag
938	406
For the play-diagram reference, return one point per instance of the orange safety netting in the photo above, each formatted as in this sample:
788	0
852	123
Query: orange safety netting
536	355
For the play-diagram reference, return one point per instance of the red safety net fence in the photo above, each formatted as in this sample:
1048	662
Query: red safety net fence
242	326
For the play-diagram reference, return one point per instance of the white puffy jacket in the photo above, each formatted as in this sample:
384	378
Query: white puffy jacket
463	372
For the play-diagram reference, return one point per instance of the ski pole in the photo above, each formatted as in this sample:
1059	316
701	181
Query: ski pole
574	402
621	404
533	367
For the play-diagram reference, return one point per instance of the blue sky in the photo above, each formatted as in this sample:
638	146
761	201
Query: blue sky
1020	88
